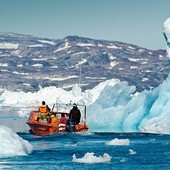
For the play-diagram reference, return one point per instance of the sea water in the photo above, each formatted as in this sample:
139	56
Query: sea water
86	151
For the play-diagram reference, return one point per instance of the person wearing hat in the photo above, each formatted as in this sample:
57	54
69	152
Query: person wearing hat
75	114
44	110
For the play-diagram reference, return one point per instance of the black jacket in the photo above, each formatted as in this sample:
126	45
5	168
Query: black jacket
75	114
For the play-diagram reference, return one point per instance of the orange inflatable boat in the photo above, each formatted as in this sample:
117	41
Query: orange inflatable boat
53	125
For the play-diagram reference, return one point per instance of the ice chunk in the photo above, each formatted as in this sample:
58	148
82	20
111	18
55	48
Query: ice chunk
91	158
11	144
118	142
132	152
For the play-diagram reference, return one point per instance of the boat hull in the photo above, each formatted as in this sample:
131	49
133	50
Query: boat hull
38	127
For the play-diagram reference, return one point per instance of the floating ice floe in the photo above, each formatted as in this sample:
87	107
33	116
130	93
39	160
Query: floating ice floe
132	152
91	158
118	142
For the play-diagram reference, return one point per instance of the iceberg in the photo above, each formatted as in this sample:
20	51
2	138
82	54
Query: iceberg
124	112
13	145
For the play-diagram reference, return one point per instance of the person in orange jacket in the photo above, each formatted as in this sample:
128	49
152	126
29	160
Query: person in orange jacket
44	110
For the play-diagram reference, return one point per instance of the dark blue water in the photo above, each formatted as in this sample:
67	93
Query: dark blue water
56	152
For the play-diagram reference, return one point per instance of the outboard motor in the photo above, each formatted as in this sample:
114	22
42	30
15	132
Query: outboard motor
70	125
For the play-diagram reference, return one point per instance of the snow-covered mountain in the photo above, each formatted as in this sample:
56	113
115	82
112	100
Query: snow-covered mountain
28	63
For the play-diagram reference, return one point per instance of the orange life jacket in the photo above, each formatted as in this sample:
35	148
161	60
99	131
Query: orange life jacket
43	109
53	119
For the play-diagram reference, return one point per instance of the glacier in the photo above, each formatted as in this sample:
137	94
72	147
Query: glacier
112	106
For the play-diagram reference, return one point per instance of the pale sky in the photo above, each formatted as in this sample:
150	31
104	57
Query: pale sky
138	22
